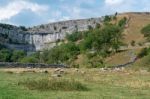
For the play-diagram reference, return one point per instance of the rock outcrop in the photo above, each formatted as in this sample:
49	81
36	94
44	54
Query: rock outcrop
43	36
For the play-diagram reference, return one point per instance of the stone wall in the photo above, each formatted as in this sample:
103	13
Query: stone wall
30	65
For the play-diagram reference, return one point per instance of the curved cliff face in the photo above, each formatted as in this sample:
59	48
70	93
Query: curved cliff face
44	36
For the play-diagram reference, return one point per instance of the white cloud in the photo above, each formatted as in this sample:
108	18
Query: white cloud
15	7
113	2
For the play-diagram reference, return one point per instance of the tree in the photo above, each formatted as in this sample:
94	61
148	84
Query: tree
17	55
5	55
108	38
61	54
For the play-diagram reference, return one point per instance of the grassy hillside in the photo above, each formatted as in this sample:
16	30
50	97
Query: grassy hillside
132	32
136	21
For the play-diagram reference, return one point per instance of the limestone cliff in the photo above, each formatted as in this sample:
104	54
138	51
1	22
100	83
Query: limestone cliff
43	36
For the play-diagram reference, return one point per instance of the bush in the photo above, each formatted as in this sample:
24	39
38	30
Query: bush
54	84
122	22
74	36
23	28
146	31
107	18
29	60
132	43
146	61
144	52
98	25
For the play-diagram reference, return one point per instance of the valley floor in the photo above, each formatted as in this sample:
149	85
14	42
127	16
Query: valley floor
110	84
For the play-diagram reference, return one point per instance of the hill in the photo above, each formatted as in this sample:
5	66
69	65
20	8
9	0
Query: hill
47	36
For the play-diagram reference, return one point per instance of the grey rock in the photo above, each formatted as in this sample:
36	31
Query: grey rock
45	36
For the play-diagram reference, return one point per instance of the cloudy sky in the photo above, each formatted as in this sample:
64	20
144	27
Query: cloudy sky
35	12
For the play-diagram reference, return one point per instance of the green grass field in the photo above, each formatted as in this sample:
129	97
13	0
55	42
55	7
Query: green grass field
125	84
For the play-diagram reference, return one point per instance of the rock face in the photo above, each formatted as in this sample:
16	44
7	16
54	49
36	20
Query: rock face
43	36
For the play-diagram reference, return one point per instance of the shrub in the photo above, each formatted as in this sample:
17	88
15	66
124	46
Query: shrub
122	22
23	28
132	43
98	26
146	61
29	60
143	53
146	31
54	84
90	27
107	18
74	36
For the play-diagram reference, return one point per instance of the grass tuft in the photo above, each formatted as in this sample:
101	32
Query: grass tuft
54	84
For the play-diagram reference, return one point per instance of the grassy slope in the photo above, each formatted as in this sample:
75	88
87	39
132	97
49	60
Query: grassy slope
135	24
132	32
102	85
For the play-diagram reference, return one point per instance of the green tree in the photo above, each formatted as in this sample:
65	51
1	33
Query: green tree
5	55
17	55
61	54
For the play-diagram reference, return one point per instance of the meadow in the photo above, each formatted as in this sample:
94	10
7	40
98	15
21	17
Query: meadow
81	84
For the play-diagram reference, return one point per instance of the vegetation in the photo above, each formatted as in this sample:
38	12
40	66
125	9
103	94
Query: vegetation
7	55
132	43
101	85
144	52
6	26
60	54
23	28
17	55
54	84
146	31
144	61
74	36
107	18
101	41
122	22
29	59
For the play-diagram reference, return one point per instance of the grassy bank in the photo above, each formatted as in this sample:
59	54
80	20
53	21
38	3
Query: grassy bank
125	84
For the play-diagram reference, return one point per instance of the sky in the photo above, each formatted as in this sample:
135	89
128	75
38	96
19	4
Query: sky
35	12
